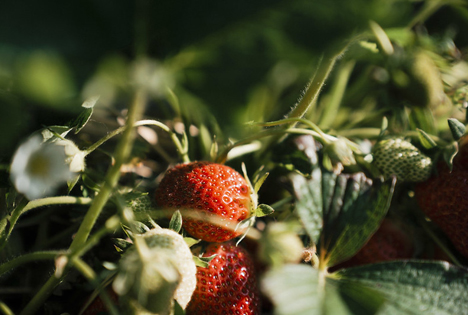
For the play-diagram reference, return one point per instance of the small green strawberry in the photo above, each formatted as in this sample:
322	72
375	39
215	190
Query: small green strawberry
396	156
153	275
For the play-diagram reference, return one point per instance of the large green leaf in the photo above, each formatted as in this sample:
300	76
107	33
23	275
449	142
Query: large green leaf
301	289
365	204
343	211
309	202
415	287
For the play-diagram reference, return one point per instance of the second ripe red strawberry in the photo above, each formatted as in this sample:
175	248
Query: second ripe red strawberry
213	199
228	285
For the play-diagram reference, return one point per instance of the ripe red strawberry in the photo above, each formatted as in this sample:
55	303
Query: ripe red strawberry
228	285
389	242
444	199
219	196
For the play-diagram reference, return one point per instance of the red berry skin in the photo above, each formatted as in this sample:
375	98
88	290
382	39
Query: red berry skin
389	242
228	285
218	195
444	199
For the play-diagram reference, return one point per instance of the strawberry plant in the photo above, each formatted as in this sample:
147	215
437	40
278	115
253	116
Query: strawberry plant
193	173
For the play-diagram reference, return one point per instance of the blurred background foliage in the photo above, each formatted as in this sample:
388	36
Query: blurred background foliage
227	62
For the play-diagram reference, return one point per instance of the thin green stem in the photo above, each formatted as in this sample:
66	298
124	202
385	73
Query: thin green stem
34	204
183	151
315	86
122	152
429	8
326	138
5	309
337	93
26	258
436	240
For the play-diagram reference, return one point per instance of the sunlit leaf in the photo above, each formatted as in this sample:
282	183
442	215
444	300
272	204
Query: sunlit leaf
415	287
301	289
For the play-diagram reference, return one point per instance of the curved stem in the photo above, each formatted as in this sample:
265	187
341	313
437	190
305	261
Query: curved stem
326	138
5	309
183	152
21	209
21	260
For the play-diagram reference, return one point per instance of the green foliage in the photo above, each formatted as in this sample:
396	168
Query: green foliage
415	286
144	85
340	213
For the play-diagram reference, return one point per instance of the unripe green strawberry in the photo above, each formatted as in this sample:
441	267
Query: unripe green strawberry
399	157
216	198
155	276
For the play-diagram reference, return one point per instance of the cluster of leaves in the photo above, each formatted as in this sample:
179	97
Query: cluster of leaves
329	198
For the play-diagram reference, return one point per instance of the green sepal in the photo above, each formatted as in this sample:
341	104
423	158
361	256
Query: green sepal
203	262
121	244
259	182
176	221
85	115
425	139
263	210
190	241
457	128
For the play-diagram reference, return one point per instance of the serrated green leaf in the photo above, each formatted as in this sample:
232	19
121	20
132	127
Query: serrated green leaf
203	262
309	204
426	139
457	128
364	208
176	221
263	210
415	287
344	211
303	290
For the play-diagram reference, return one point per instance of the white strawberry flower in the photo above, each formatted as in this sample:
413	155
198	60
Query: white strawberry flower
38	168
